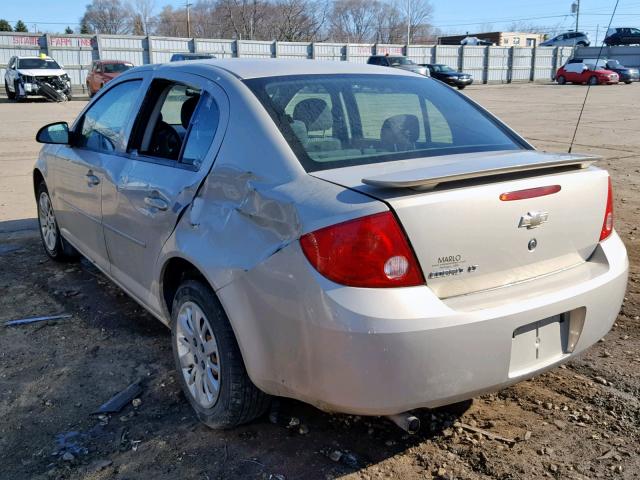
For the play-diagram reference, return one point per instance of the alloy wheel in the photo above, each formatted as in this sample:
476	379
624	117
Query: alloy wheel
47	220
198	354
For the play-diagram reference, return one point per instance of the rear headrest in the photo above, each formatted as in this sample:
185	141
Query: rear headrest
400	132
187	110
300	130
314	113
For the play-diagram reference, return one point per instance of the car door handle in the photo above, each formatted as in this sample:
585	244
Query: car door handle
156	202
92	179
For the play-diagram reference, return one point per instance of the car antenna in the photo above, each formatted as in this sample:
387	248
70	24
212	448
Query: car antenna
586	95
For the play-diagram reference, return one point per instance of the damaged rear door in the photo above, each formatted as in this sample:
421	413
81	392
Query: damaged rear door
172	145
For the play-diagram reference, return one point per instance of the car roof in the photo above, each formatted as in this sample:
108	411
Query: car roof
35	57
113	61
247	68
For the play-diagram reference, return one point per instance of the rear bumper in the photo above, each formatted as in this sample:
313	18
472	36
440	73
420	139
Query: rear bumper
385	351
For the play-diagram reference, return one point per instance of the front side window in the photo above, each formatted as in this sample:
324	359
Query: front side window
334	121
38	64
102	127
177	123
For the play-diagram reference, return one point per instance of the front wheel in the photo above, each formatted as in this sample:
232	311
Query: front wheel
561	80
208	360
593	81
10	95
627	82
56	247
461	87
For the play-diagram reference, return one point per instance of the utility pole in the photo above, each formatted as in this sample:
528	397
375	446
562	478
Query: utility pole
597	32
188	5
408	22
575	9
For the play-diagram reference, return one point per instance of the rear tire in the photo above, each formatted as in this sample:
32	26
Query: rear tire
56	247
10	95
561	80
627	82
208	360
461	87
593	80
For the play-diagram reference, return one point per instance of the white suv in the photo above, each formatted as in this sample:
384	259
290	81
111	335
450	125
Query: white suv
568	39
26	76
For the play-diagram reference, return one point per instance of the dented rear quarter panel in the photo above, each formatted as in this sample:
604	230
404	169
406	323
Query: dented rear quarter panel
256	200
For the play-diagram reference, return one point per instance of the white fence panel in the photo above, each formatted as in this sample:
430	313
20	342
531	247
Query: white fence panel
420	53
521	62
128	49
448	54
162	48
256	49
329	51
474	62
388	49
498	59
299	50
544	63
219	48
359	53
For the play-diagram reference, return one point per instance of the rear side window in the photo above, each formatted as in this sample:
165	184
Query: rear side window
103	125
333	121
204	125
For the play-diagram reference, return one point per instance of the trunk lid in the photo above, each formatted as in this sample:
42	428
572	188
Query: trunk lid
465	237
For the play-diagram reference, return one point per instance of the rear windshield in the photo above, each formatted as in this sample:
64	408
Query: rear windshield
333	121
37	63
116	67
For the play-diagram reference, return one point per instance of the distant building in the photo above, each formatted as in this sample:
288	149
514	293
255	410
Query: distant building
501	39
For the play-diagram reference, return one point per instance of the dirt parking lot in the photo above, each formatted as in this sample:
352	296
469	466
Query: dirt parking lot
579	421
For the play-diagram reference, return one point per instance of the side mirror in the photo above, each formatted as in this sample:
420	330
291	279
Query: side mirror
55	133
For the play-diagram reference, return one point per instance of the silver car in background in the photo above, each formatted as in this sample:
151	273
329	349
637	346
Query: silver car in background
360	238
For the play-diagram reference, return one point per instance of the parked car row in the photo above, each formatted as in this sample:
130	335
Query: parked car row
596	72
439	71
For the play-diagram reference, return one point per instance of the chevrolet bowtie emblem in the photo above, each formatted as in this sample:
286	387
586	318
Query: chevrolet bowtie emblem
533	219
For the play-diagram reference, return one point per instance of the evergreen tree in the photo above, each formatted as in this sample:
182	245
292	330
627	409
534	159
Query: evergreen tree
5	26
68	30
84	29
20	27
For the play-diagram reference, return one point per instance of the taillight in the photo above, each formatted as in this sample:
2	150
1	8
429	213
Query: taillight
607	225
370	251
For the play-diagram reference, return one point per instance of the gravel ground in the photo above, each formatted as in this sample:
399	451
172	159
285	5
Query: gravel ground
578	421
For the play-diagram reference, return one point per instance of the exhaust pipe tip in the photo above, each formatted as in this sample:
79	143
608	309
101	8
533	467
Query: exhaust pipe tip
407	422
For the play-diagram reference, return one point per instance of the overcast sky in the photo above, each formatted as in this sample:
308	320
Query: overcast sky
453	16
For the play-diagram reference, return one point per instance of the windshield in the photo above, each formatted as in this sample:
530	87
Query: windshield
335	121
400	61
38	63
614	64
443	69
116	67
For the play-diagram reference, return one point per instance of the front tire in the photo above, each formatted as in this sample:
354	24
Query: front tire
593	81
561	80
461	87
56	247
208	360
10	95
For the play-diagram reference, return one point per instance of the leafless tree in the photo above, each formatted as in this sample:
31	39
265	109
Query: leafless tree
170	22
143	13
390	25
108	16
418	13
299	20
353	21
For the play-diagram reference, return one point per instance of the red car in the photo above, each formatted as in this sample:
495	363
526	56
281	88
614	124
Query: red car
586	73
103	71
